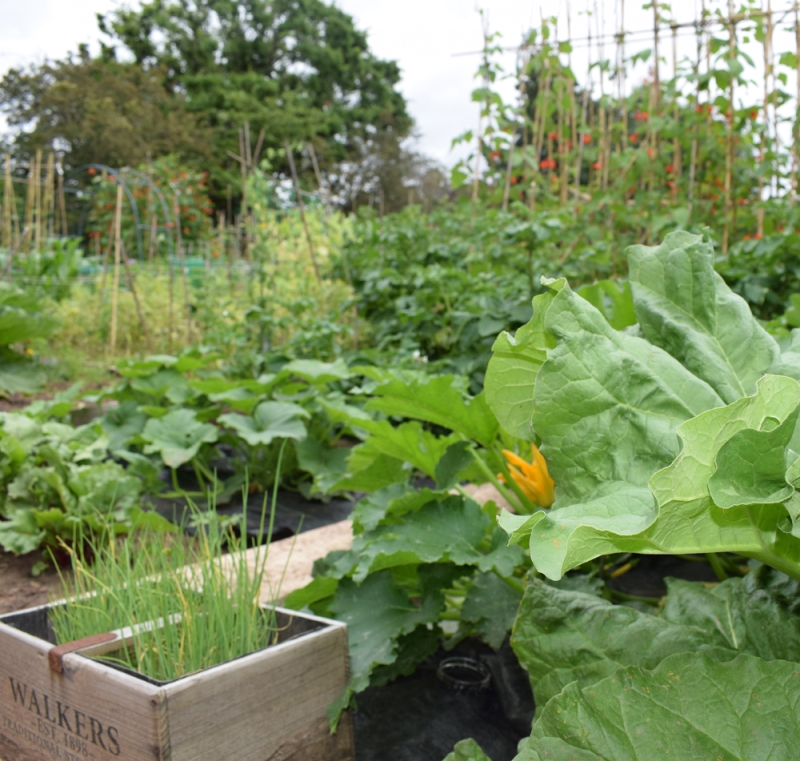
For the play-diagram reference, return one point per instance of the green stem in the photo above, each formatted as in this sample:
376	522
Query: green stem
716	564
517	586
512	500
622	596
784	565
768	557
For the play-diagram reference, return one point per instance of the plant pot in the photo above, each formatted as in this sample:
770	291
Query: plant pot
270	704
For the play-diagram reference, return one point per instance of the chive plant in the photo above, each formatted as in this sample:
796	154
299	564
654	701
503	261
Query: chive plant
185	606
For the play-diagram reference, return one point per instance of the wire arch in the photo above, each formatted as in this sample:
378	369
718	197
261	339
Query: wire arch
140	179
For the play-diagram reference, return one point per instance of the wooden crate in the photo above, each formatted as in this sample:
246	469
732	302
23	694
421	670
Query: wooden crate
269	705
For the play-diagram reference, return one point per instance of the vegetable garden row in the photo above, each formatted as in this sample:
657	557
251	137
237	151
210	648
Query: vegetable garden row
601	325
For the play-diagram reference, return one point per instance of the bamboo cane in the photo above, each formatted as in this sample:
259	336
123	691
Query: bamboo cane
695	145
49	197
677	157
796	140
301	206
62	204
562	154
8	191
117	252
729	137
763	147
30	202
37	201
139	312
186	302
322	188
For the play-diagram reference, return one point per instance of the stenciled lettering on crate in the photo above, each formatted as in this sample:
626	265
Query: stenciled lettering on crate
266	705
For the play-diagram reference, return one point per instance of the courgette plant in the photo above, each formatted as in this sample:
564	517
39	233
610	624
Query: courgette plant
677	434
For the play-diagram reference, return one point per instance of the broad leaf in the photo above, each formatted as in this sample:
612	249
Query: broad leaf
624	519
512	370
271	420
326	464
563	636
608	403
448	531
377	612
315	371
123	423
491	607
369	472
689	707
434	399
685	308
177	436
408	442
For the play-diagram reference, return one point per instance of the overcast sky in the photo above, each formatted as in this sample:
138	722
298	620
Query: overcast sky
424	36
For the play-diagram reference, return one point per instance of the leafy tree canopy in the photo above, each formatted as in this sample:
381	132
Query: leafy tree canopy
102	112
299	69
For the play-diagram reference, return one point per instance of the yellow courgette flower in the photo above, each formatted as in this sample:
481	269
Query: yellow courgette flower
531	477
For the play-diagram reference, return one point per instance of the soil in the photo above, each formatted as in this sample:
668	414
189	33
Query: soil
19	589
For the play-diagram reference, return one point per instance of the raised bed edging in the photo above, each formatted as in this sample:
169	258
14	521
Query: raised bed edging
267	705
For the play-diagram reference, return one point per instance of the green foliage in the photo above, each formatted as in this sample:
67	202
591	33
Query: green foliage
612	409
21	321
106	112
297	70
563	636
689	704
422	558
58	485
440	286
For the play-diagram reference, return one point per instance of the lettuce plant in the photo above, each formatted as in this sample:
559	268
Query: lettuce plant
675	435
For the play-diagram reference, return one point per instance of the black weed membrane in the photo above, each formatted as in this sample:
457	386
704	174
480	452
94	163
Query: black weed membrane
470	691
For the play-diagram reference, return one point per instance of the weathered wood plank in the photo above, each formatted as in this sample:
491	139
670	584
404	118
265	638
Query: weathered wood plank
277	712
88	711
296	555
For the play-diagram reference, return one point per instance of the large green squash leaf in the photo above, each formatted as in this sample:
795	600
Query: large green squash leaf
685	308
608	403
271	420
177	436
515	363
684	519
434	399
689	707
563	636
451	530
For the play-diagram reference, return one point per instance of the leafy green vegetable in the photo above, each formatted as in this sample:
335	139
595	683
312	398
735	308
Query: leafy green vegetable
271	420
689	706
685	308
434	399
177	436
515	363
562	636
612	410
21	320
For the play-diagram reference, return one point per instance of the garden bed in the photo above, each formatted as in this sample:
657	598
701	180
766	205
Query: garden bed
268	704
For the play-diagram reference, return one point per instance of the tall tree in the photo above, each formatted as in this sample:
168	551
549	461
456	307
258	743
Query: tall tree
99	112
299	69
